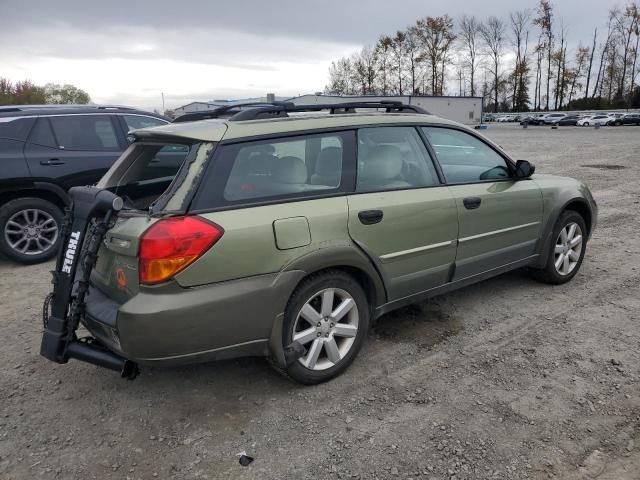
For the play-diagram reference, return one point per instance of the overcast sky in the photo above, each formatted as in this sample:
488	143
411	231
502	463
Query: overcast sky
128	52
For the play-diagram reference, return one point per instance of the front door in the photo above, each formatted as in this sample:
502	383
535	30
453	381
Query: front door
500	219
401	215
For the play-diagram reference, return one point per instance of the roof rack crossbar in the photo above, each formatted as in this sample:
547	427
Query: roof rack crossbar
284	108
225	111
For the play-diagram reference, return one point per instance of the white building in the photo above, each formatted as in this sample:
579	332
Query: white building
466	110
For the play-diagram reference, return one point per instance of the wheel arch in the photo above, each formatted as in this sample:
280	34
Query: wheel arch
346	258
577	204
46	191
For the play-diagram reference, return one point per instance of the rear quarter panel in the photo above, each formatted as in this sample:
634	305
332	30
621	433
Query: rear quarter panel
248	246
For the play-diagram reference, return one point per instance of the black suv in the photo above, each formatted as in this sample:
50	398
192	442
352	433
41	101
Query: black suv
45	150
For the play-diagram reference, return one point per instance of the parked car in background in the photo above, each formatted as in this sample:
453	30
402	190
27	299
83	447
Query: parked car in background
550	118
286	237
567	120
532	119
631	119
46	150
615	119
599	119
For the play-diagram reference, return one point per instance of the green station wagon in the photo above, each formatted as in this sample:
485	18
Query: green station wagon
284	231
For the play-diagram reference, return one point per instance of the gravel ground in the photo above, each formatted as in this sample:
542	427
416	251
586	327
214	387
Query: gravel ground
509	379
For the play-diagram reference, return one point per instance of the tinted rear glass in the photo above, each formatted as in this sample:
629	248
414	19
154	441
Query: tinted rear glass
85	132
15	128
42	134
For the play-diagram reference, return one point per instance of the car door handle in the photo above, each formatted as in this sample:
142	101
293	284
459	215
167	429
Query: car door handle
52	161
369	217
471	203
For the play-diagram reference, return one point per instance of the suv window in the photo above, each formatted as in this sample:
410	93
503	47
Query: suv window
42	134
392	158
465	158
85	132
285	167
141	121
15	128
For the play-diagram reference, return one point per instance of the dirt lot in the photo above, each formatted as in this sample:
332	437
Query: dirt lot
506	379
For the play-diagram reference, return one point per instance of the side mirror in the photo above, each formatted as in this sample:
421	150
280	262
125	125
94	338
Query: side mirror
524	169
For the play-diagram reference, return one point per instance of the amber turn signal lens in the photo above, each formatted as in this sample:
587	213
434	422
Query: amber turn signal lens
172	244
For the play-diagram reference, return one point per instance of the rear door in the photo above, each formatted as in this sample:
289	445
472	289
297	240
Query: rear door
500	218
73	149
401	215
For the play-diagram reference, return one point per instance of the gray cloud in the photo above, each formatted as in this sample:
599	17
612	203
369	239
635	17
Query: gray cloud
272	39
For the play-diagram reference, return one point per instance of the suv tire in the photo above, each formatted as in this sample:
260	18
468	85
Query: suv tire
329	315
40	221
567	250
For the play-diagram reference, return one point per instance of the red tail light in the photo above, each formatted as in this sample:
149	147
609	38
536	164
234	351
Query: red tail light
171	244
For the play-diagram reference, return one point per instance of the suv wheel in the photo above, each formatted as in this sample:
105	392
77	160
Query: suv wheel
30	229
565	258
328	315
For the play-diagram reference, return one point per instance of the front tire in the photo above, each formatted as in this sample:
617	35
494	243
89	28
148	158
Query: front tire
30	229
567	252
328	315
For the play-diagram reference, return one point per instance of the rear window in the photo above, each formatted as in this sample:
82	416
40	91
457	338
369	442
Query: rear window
146	170
15	128
85	132
294	167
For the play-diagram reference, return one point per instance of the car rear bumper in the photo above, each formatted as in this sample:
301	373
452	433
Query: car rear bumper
171	325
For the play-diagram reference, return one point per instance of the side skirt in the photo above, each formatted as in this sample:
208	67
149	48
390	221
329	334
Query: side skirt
451	286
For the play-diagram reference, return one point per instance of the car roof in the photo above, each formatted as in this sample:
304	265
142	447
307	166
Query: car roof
44	110
214	130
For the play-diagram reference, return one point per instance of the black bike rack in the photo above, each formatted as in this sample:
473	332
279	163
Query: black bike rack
86	223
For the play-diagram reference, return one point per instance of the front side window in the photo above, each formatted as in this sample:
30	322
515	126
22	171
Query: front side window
465	158
391	158
135	122
262	170
85	132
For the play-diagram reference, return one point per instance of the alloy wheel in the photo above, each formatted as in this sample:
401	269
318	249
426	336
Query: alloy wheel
326	327
568	248
31	231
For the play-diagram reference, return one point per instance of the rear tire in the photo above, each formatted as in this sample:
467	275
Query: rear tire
567	250
30	229
328	314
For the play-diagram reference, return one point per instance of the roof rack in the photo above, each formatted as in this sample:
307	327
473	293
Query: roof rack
20	108
223	111
262	110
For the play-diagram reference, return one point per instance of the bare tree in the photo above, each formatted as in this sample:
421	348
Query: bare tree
591	55
626	24
544	20
493	34
436	37
520	30
576	74
398	49
470	39
383	51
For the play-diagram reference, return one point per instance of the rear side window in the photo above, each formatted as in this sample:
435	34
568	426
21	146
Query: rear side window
42	134
85	132
465	158
391	158
15	128
135	122
283	168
